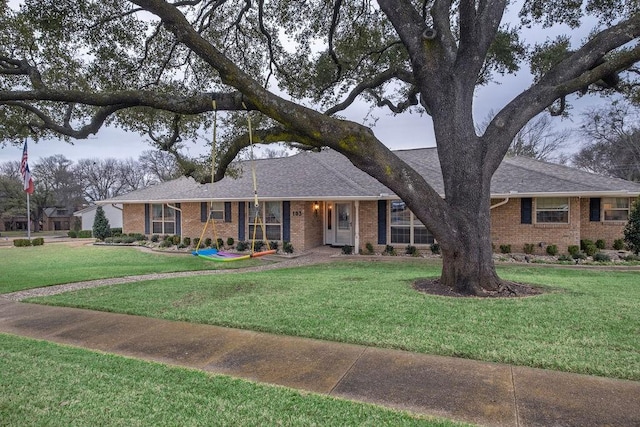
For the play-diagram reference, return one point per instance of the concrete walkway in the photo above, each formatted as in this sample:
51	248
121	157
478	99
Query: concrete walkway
483	393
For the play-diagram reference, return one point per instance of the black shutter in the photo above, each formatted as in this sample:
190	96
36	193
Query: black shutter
241	220
382	222
286	221
147	218
178	220
204	212
526	207
227	212
594	209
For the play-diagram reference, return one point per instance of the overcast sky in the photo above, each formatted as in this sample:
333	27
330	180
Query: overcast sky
397	132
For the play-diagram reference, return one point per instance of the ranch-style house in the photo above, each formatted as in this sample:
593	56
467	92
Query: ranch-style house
319	198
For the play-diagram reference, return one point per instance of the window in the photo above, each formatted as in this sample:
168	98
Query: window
615	208
216	211
271	216
552	210
406	228
163	219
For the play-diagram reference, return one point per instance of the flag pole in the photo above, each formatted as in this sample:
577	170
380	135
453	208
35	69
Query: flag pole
28	218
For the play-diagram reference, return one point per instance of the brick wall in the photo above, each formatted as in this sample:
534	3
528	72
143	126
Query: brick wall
594	230
133	218
369	225
506	228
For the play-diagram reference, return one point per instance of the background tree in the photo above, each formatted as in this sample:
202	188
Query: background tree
101	227
540	140
298	68
632	229
612	145
159	166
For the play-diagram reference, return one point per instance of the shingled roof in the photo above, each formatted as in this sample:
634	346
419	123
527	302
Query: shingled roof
328	175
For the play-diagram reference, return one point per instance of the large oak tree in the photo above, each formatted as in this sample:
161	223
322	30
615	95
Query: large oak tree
153	66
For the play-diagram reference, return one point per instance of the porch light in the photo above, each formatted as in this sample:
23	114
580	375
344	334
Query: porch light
316	208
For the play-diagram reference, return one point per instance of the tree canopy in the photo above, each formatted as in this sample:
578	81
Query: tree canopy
160	68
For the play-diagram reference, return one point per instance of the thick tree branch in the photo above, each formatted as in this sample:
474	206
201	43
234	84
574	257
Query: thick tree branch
571	75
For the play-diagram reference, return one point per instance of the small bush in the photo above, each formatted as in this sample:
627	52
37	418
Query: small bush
220	243
411	250
579	255
230	241
167	243
389	250
565	257
196	242
618	244
552	250
528	248
21	242
435	248
182	246
591	249
155	238
242	246
207	242
368	249
287	247
601	244
632	257
505	249
601	257
347	250
585	242
175	239
186	241
84	234
258	245
273	245
38	241
116	231
137	237
72	233
573	249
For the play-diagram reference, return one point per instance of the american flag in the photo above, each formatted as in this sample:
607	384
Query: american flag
27	180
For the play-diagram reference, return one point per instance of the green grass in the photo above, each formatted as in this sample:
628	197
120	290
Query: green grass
47	384
53	264
588	322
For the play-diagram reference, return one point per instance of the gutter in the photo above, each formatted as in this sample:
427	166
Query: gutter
504	202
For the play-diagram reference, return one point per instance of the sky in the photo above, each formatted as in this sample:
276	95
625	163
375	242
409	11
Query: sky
397	132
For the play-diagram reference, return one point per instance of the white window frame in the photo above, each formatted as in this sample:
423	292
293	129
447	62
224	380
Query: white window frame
216	211
269	226
563	205
414	223
163	220
612	202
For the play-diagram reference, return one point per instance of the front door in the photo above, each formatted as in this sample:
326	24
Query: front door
344	224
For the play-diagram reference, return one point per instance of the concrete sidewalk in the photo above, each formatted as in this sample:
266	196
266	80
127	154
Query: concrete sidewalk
477	392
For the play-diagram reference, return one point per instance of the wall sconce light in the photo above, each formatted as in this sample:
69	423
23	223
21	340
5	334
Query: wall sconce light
316	208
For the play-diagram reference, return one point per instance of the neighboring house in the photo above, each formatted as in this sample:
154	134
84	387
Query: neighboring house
113	212
312	199
56	219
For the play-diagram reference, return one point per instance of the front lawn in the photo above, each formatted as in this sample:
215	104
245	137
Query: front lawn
53	264
588	321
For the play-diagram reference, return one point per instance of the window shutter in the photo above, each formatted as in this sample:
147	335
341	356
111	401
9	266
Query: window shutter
526	207
178	220
594	209
227	212
286	221
147	218
382	222
241	220
203	212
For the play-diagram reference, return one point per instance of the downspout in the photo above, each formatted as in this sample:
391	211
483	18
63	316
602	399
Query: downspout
357	227
179	210
504	202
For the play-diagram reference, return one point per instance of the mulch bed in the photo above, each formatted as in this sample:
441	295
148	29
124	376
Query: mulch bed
508	290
